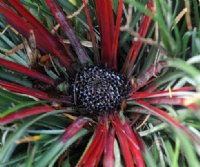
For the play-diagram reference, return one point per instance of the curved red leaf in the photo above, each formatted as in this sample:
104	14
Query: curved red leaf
25	113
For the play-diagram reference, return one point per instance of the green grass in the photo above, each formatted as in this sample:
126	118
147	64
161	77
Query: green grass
165	145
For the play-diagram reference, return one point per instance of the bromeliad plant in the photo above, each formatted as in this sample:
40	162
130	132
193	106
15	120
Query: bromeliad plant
108	92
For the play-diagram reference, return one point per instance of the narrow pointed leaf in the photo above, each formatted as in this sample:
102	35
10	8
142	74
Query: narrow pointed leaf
71	130
106	25
96	156
116	34
34	22
26	71
143	79
92	35
136	151
30	92
25	113
93	153
108	159
45	41
23	90
58	148
133	53
166	117
176	92
123	141
69	32
10	144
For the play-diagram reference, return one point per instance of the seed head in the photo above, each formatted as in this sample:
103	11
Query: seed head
99	90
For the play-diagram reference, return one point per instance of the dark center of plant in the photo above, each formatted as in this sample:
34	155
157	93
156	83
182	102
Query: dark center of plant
99	90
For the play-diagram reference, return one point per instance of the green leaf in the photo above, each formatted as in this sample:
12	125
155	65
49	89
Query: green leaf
56	149
20	106
7	149
187	68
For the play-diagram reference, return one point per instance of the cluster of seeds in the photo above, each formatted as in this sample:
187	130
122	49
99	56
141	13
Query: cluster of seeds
99	90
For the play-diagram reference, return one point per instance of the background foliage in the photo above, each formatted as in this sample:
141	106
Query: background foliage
173	36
